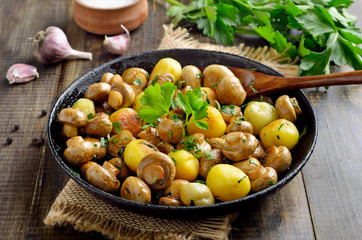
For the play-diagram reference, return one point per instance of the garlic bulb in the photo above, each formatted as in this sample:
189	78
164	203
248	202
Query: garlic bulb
21	73
117	44
53	46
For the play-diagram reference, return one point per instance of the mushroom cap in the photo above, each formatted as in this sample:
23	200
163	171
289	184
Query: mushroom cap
157	170
267	179
170	130
285	108
278	158
99	126
230	91
239	146
78	151
73	117
213	73
98	92
208	161
135	189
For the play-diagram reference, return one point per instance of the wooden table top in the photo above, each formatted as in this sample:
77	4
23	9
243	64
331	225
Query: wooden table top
322	202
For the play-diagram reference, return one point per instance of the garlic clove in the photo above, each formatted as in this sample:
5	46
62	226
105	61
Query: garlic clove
117	44
53	46
21	73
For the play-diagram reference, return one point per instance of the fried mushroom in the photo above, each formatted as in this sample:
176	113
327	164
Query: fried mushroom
239	146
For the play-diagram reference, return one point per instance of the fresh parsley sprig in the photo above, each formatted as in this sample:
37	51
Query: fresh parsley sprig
326	32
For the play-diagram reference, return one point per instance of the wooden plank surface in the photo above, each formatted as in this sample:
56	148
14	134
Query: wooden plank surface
322	202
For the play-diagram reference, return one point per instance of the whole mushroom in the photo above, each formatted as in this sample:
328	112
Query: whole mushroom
287	108
195	144
136	76
99	150
150	134
217	143
103	177
192	76
213	73
239	146
121	95
117	143
277	157
124	171
79	151
135	189
157	170
99	126
72	119
171	130
230	91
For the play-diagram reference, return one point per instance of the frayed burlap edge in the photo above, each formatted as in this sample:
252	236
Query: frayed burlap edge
177	37
76	208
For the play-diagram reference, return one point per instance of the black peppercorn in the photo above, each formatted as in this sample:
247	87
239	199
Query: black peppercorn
44	112
9	141
16	127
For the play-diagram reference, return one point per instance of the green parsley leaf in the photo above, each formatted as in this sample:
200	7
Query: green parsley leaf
90	116
156	101
117	126
137	82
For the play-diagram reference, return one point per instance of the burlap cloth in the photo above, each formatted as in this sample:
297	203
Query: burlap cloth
77	208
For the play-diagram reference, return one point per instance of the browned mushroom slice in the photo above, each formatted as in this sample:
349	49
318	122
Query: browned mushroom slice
103	177
157	170
135	189
99	126
278	158
239	146
78	151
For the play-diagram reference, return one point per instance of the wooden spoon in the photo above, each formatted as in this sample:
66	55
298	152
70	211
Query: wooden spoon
256	83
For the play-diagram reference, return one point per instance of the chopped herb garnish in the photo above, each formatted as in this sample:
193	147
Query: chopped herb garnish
128	190
95	144
200	181
119	167
241	179
137	82
108	112
229	109
75	173
149	145
117	126
155	179
208	155
302	133
244	140
192	203
218	105
214	85
252	161
170	134
114	140
90	116
278	137
154	81
95	157
281	125
104	142
198	75
293	103
252	88
174	160
261	98
271	183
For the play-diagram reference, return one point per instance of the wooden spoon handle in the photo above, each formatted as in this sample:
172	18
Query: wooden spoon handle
343	78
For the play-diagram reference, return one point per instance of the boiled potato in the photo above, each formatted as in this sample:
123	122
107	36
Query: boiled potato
280	132
227	182
217	125
187	166
259	114
167	65
196	194
137	102
85	105
135	151
127	119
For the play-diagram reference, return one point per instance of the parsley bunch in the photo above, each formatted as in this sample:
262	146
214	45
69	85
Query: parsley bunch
322	31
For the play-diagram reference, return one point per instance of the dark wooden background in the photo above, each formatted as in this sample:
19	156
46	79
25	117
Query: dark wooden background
322	202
